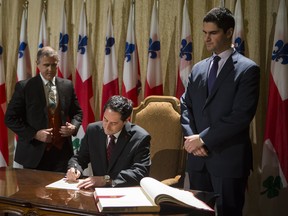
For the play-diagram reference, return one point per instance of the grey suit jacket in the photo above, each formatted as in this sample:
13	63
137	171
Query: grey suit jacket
222	119
130	161
27	113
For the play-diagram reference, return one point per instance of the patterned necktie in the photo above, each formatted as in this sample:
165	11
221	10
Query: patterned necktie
51	96
110	147
213	73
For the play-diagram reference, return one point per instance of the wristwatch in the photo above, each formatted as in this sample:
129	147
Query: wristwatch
107	180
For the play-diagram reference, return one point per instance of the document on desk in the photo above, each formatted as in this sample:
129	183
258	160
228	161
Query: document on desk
64	184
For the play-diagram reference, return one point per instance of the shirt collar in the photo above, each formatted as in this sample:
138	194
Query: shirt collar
46	81
116	135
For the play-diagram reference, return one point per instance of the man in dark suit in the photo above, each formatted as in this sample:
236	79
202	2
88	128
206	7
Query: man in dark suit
216	119
129	159
44	112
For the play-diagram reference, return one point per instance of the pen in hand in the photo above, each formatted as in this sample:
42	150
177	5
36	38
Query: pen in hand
75	169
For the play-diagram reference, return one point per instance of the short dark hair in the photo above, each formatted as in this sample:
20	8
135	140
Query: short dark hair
120	104
222	17
47	51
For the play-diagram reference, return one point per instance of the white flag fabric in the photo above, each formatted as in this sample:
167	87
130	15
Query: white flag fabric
238	34
274	176
24	63
110	76
24	69
154	83
131	85
64	66
185	65
4	154
83	80
43	37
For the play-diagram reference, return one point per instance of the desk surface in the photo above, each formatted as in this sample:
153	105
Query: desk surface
26	188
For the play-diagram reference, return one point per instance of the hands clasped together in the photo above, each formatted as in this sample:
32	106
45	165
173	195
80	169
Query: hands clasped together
194	144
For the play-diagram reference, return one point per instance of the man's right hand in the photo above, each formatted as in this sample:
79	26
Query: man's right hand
44	135
72	174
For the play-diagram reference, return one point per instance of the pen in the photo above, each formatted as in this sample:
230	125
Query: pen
75	169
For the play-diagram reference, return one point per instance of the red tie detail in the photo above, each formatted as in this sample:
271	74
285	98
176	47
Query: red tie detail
110	147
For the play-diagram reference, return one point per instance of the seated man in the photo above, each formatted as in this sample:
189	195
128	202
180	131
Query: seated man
125	164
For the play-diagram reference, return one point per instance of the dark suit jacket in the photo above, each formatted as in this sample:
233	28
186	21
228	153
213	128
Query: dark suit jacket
222	119
130	160
27	113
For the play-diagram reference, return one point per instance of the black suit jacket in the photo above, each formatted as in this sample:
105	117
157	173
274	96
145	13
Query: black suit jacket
222	119
27	113
130	160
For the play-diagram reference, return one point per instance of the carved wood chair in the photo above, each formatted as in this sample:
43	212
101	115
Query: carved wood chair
160	116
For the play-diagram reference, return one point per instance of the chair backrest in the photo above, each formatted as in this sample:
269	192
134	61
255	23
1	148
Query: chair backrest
160	116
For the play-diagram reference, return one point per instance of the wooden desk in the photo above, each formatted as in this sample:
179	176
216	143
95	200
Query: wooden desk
23	192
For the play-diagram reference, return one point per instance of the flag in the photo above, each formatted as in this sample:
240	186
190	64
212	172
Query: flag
131	85
4	154
154	83
43	38
83	80
24	70
238	34
274	176
63	67
24	63
110	76
185	53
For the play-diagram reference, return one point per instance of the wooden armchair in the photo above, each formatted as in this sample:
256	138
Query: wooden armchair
160	116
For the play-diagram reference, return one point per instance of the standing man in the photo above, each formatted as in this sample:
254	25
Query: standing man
126	163
44	112
216	115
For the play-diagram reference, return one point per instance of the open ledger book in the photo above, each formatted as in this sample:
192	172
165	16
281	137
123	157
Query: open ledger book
147	198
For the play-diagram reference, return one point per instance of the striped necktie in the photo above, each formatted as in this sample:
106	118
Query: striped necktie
51	96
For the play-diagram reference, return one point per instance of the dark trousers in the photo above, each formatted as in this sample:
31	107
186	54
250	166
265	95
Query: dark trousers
231	191
55	160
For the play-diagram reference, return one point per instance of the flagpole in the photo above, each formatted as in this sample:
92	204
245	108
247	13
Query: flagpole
44	5
222	3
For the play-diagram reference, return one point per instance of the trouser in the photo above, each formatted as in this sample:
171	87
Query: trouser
231	191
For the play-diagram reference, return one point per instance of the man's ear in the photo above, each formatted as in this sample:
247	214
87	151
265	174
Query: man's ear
229	32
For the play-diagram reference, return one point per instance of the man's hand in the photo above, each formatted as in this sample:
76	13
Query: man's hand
92	182
72	174
44	135
67	130
193	144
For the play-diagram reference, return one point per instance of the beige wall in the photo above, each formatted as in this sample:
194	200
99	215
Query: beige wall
259	22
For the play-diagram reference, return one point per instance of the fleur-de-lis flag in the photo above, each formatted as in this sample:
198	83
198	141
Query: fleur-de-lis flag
154	82
110	76
83	79
4	154
24	62
274	172
64	70
185	55
238	35
131	73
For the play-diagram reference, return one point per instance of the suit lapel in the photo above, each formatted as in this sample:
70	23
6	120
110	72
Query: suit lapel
60	92
225	71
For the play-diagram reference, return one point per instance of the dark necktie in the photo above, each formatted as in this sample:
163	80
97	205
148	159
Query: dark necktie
213	73
51	96
110	147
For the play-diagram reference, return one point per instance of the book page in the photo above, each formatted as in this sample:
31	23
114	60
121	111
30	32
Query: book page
124	199
160	192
